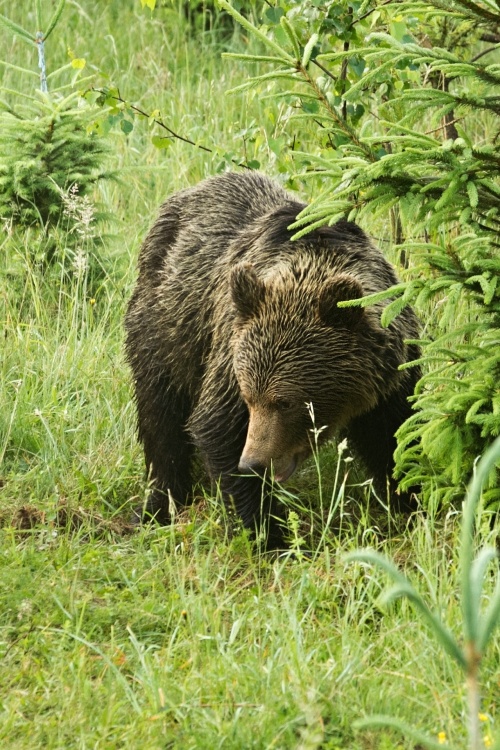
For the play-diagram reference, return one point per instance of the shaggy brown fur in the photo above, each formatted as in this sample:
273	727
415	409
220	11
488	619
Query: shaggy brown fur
233	329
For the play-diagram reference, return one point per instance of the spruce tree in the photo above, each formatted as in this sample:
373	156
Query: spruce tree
45	145
44	151
405	101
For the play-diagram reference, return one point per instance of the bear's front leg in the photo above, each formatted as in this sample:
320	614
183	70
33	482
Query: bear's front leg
254	503
373	438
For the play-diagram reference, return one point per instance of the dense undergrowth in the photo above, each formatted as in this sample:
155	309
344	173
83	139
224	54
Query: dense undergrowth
186	636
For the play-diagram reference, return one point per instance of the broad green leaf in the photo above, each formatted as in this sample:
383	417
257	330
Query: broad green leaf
483	468
490	620
127	126
161	142
405	588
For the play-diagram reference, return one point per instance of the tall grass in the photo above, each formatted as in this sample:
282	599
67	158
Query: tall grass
184	636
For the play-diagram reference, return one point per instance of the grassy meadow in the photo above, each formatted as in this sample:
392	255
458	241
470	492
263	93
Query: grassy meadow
187	636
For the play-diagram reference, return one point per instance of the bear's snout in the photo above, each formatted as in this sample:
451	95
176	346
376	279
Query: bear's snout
251	466
269	448
283	469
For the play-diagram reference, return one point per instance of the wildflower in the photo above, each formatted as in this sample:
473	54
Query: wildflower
488	742
92	301
70	199
81	210
85	218
441	738
80	263
482	717
342	446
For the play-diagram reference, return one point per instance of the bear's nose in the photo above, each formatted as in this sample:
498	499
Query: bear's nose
249	466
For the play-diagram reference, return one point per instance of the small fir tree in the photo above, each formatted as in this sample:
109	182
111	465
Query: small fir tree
43	152
45	145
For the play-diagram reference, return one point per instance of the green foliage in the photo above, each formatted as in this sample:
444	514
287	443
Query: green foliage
202	16
183	637
39	38
400	95
478	626
49	160
44	151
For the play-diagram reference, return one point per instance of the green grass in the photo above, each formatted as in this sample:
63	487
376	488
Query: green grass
179	636
183	637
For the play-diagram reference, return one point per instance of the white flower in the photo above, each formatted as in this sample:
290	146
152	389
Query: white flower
80	263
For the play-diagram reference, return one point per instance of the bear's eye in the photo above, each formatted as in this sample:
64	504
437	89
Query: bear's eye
283	404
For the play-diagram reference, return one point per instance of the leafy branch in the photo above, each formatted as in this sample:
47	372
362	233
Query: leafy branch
111	98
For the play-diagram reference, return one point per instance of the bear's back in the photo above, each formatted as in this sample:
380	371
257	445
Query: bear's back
220	207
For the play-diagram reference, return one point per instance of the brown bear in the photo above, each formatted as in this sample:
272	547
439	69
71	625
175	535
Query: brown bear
233	331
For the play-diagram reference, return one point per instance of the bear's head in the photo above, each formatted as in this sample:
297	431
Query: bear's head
301	362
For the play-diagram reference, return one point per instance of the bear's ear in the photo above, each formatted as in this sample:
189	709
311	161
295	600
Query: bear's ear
340	288
247	290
